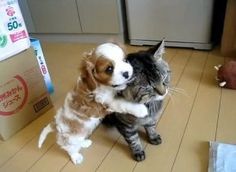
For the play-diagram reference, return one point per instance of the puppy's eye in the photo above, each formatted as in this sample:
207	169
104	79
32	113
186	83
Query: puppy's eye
109	70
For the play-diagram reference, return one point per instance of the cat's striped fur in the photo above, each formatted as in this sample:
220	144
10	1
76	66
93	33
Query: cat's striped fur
150	86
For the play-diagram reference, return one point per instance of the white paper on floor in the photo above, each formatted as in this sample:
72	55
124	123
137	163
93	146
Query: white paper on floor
222	157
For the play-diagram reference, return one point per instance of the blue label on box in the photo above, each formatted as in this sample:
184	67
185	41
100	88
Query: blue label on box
42	64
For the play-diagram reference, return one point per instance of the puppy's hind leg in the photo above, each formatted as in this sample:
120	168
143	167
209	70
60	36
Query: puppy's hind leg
73	146
73	151
86	143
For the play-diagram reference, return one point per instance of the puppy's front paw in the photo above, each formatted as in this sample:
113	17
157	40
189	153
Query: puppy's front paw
140	111
99	99
76	158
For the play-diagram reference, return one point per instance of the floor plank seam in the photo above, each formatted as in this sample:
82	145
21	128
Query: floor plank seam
1	165
219	107
169	61
201	77
108	153
218	116
177	82
50	147
63	167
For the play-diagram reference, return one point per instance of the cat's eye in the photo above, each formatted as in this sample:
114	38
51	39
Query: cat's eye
109	69
163	77
165	83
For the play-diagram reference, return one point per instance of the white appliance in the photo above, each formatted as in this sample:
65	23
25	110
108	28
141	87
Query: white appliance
183	23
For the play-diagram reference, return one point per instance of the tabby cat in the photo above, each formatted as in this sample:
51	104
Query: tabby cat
150	86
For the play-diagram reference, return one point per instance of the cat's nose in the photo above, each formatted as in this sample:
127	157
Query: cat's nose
161	89
125	75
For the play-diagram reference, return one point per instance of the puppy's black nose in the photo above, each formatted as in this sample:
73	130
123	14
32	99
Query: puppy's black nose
126	75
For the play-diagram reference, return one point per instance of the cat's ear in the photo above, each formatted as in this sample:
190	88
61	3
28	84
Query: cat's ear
160	50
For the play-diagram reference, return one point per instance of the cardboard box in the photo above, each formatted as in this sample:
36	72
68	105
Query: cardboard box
14	37
42	64
23	94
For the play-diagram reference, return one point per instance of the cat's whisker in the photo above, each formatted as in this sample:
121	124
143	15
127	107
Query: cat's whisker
178	90
174	92
171	98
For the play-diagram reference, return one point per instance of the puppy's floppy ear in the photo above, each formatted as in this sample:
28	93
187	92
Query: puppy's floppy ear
87	69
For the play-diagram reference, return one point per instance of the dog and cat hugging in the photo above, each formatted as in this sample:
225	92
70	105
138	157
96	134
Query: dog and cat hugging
124	90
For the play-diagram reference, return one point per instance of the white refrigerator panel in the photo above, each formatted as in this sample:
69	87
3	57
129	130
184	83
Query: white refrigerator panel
186	22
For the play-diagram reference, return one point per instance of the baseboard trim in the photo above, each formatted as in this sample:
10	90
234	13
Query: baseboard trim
194	45
83	38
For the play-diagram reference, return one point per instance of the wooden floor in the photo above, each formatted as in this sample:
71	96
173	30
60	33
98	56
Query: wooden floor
196	113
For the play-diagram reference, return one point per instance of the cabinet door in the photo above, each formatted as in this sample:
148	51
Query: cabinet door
27	16
55	16
178	20
99	16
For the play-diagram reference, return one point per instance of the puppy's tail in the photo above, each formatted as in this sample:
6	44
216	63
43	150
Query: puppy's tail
48	129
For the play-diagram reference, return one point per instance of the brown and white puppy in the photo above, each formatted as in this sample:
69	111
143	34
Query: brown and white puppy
103	72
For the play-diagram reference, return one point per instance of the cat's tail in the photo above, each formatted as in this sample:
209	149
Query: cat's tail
48	129
109	120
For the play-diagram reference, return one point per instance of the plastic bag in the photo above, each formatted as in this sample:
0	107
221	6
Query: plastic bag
222	157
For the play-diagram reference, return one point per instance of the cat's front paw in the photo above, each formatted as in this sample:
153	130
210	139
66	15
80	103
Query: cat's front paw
156	140
145	99
140	111
139	156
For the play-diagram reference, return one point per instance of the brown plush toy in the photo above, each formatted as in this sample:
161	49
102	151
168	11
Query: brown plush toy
226	75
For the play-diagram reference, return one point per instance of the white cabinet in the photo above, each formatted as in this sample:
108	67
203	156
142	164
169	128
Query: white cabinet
27	16
55	16
72	16
184	23
99	16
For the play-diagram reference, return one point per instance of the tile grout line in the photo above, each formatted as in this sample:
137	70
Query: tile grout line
203	71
